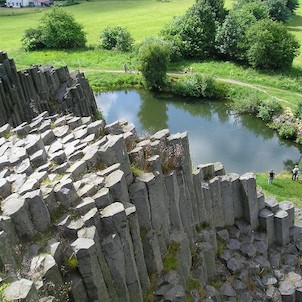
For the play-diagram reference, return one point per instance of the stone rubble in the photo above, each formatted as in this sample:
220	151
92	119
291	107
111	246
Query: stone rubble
93	212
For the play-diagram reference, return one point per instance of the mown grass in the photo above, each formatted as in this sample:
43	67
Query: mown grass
282	188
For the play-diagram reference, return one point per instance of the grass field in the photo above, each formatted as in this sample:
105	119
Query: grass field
283	188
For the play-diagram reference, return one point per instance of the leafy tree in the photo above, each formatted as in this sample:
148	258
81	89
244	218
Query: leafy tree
217	7
33	39
270	46
278	11
268	108
292	5
60	30
118	38
192	34
230	34
153	57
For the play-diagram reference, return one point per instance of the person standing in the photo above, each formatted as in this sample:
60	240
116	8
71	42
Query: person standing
271	176
295	174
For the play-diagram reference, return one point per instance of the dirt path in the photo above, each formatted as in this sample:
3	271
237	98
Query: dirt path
260	88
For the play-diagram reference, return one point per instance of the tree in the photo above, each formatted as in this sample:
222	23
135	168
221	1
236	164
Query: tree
231	33
270	46
60	30
217	7
33	39
277	9
192	34
153	57
117	38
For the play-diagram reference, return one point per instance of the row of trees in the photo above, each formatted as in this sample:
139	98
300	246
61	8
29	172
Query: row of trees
251	33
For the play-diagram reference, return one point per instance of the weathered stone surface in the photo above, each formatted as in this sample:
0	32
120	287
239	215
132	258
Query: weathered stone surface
218	213
289	208
85	251
272	204
287	291
227	200
250	202
77	290
5	188
137	246
65	193
38	210
281	227
158	200
17	209
114	151
21	290
117	185
114	221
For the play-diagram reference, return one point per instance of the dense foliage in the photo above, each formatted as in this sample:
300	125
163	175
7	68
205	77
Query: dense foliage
153	58
288	131
270	46
117	38
268	108
192	34
57	29
198	85
244	34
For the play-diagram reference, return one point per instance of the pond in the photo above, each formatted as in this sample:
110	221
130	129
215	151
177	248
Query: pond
241	143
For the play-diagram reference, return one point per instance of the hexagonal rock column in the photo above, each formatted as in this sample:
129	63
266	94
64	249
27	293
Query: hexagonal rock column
266	221
174	200
227	199
117	185
91	233
200	200
281	227
185	208
21	290
90	270
287	291
218	212
65	193
44	269
119	252
208	202
38	210
137	246
114	151
290	209
158	201
249	199
18	210
236	192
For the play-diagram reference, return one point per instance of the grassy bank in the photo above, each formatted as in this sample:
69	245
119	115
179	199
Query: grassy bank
282	188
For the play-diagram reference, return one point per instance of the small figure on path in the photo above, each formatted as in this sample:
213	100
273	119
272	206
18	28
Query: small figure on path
295	175
125	67
186	70
271	176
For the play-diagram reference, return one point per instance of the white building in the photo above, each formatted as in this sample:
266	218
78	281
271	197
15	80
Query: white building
17	3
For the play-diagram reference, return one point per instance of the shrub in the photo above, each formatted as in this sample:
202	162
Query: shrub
117	38
270	46
198	85
58	29
288	131
298	110
153	58
33	39
248	105
268	109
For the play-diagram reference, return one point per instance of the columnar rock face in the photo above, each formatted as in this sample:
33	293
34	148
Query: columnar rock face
25	94
96	213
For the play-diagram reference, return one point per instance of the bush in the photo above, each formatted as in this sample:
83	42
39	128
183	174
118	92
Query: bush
117	38
33	39
268	109
198	85
270	46
288	131
153	58
248	105
298	110
58	29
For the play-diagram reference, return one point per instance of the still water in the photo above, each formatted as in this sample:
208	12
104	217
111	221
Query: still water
241	143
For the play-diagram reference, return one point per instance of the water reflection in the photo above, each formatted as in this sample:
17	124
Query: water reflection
241	143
